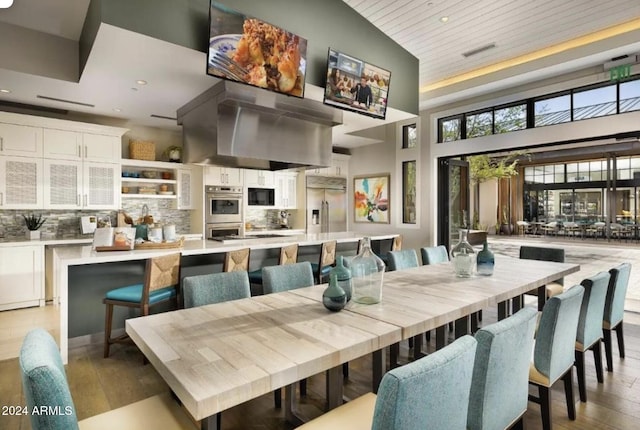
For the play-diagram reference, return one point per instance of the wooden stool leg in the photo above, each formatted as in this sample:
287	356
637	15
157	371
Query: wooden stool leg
277	398
545	406
107	328
568	391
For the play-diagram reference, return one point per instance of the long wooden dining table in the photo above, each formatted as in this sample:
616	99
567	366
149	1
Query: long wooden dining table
217	356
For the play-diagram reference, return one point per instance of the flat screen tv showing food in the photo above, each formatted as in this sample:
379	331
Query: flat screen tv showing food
249	50
355	85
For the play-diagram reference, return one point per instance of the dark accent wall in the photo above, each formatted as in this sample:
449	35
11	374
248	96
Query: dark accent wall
326	23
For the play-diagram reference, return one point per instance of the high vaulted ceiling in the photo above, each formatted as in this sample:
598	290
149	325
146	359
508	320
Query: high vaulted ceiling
533	33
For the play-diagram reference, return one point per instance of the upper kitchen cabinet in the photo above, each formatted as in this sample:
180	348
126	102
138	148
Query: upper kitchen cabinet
286	190
218	175
101	185
20	140
259	178
72	145
186	187
339	167
21	183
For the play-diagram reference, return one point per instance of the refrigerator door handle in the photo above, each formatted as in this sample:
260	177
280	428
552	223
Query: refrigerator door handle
326	217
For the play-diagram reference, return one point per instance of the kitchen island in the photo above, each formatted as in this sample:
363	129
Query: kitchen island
82	275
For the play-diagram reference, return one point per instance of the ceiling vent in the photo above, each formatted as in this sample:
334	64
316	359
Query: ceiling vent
479	50
153	115
65	101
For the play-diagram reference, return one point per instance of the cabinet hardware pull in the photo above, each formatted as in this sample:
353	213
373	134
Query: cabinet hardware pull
1	199
78	200
85	151
1	144
79	151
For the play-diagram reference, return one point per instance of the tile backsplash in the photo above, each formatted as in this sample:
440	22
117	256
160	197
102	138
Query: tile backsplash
268	218
65	224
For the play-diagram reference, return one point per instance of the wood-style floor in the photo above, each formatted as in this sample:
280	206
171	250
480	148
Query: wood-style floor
98	385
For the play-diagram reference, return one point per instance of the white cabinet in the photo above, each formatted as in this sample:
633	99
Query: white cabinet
72	145
21	182
21	276
259	178
20	140
101	183
339	167
185	189
286	190
218	175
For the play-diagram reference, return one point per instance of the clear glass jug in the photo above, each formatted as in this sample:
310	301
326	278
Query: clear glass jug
463	257
367	271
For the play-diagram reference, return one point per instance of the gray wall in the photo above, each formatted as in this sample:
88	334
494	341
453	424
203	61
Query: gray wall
327	23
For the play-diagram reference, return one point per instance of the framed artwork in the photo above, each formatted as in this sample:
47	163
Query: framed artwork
371	198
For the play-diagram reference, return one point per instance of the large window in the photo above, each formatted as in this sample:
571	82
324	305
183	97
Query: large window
510	118
450	129
409	192
630	96
553	110
594	102
479	124
409	136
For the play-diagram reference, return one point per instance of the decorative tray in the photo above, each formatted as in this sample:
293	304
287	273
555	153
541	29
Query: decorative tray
162	245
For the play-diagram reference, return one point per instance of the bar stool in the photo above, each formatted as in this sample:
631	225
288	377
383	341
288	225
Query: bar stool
396	245
288	255
326	261
236	260
161	280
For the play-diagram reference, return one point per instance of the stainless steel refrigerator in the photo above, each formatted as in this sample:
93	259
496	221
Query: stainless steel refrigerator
326	204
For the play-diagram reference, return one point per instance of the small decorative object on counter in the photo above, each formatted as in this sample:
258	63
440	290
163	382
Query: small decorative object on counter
343	276
367	271
334	298
463	257
33	223
485	261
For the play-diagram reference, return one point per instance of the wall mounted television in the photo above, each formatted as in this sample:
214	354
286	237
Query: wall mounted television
355	85
251	51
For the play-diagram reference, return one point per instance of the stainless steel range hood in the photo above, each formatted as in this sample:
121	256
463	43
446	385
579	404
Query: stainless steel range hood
237	125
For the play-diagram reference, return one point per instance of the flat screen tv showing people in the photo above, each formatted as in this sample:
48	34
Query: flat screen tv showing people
355	85
248	50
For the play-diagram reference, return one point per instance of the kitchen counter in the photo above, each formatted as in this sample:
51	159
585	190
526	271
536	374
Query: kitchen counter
79	240
70	260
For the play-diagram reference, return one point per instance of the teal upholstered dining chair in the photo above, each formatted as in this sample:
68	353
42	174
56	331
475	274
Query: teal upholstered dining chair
428	394
212	288
45	384
326	261
161	279
553	353
589	332
284	278
614	310
500	384
434	254
545	254
396	245
288	255
404	259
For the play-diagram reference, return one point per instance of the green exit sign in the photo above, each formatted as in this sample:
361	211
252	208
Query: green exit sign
619	73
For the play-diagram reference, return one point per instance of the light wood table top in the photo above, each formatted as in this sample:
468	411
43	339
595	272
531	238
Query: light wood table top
218	356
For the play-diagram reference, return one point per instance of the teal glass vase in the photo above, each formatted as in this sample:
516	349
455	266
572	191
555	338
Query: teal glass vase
485	261
334	298
343	276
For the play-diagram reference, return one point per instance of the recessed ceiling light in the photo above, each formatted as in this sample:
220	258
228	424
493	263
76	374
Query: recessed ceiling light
117	110
444	18
4	90
5	4
141	82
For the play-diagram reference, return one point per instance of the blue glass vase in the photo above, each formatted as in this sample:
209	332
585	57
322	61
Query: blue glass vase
485	261
334	298
343	276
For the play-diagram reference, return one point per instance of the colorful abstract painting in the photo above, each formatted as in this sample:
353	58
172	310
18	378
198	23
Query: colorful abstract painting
371	198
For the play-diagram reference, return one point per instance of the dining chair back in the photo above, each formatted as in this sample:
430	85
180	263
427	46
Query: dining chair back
212	288
396	244
326	260
405	259
161	280
545	254
45	385
553	353
434	254
430	393
589	332
236	260
500	385
287	277
614	310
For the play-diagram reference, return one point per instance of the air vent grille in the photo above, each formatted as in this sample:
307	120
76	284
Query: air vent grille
65	101
478	50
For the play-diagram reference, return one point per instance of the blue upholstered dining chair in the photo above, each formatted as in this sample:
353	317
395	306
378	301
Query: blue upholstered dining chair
212	288
288	255
589	332
500	384
161	279
614	310
400	260
45	384
428	394
545	254
327	259
434	254
396	245
553	353
284	278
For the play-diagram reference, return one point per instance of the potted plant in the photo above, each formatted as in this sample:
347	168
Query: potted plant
505	226
173	153
33	223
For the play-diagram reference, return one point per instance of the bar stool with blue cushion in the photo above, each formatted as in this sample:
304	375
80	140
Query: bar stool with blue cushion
553	352
430	393
614	310
212	288
545	254
434	254
500	384
161	279
400	260
236	260
327	259
396	245
589	332
45	384
288	255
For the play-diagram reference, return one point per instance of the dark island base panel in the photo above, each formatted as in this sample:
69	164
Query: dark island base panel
88	284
